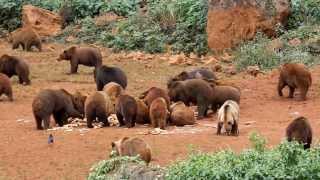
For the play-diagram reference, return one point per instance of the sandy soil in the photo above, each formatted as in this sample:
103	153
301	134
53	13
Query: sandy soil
25	154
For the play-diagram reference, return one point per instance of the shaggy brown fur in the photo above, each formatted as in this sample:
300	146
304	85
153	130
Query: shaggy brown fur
12	65
200	73
26	37
300	130
142	113
132	147
196	91
181	115
158	113
294	76
98	105
153	93
5	86
81	55
60	103
221	94
126	110
228	118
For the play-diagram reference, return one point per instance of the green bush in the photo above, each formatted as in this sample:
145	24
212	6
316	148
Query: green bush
256	52
304	12
286	161
123	7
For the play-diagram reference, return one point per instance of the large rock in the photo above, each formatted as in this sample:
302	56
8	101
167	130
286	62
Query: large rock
45	22
233	21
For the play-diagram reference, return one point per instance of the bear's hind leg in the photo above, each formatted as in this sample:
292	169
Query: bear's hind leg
291	92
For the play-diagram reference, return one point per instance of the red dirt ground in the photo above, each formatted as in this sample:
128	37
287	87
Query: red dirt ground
25	154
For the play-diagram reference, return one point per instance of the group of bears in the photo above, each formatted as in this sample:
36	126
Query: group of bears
198	87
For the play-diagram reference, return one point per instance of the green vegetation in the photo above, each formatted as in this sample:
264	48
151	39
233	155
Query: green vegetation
286	161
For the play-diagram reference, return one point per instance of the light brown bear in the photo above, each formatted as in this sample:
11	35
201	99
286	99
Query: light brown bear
294	75
132	147
181	114
5	86
26	37
142	113
113	90
153	93
98	106
228	118
158	113
81	55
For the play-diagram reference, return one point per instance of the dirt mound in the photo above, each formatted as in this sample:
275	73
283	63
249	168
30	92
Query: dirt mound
231	22
45	22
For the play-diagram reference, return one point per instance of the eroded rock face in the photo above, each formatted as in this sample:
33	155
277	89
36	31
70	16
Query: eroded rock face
44	22
233	21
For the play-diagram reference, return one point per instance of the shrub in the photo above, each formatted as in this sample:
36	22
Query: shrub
286	161
304	12
256	52
123	7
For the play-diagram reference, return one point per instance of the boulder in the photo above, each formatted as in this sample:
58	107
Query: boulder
231	22
45	22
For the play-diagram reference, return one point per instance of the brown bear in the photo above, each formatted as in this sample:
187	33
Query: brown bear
126	110
132	147
294	75
5	86
81	55
158	113
113	90
142	113
300	130
26	37
60	103
196	91
200	73
106	74
153	93
12	65
221	94
181	115
98	105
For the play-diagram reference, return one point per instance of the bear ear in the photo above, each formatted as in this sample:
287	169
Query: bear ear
5	56
125	138
113	144
72	49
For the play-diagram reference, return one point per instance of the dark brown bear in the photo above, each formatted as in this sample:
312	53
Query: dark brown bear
81	55
196	91
294	76
142	113
106	74
98	106
300	130
26	37
12	65
60	103
159	113
221	94
126	110
153	93
5	86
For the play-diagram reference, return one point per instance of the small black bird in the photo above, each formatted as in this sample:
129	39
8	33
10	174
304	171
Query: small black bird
50	139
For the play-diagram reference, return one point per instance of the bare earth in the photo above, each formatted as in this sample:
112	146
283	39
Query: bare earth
25	154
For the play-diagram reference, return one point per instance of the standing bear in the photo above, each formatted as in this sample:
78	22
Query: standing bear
196	91
220	94
142	112
12	65
105	74
98	106
60	103
294	75
5	86
126	110
158	113
153	93
300	130
81	55
26	37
